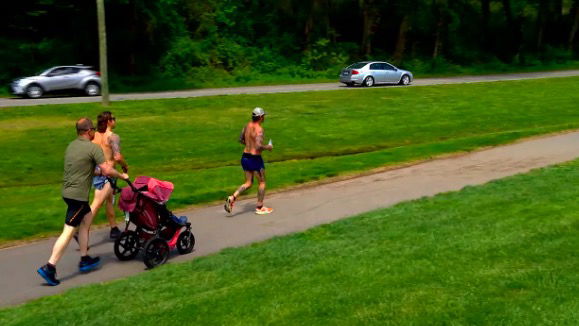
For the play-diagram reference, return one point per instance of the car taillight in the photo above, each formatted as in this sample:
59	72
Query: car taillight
355	72
98	73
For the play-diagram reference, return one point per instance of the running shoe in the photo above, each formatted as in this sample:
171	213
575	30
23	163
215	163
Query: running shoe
229	204
115	233
263	210
48	274
88	263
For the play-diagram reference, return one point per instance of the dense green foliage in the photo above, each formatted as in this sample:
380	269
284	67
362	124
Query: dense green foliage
193	142
194	43
500	254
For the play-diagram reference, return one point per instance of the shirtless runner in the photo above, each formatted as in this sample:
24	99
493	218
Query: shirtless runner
251	161
110	143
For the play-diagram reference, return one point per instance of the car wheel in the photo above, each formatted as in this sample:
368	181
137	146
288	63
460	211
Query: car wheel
92	89
405	80
34	91
369	81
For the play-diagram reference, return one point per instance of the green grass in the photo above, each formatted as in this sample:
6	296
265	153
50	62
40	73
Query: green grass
300	75
193	142
500	254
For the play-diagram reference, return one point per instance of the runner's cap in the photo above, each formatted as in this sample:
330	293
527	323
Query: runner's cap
258	112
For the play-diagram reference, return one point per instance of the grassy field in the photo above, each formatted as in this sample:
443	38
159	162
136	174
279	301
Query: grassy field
193	142
500	254
299	75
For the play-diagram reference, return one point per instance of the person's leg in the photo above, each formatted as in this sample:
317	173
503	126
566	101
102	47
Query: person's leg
110	211
259	208
76	213
83	233
100	195
87	263
246	185
261	187
61	244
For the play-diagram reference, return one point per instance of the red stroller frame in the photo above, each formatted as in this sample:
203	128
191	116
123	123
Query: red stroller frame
157	231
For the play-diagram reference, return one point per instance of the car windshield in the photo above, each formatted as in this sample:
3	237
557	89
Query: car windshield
357	65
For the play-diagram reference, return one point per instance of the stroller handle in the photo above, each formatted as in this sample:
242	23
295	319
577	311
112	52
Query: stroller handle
128	181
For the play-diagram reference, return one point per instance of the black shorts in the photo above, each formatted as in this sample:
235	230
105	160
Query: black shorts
250	162
76	211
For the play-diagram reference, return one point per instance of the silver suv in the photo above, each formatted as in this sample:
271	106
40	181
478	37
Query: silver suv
370	73
62	78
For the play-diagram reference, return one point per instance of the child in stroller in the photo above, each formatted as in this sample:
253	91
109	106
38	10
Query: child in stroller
157	231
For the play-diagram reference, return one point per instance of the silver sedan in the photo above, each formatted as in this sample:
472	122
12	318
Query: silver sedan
370	73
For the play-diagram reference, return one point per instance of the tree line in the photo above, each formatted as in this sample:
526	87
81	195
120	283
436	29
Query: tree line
198	37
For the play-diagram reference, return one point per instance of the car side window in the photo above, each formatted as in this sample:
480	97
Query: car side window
375	66
388	67
57	72
73	70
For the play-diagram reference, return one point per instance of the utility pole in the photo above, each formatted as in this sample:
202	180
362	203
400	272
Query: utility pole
103	52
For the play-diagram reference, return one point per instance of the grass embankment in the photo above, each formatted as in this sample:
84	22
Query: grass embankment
300	75
500	254
193	142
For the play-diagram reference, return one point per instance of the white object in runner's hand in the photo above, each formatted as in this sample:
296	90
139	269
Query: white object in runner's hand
270	143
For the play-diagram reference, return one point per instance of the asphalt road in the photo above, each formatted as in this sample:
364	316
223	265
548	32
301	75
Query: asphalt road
14	102
295	210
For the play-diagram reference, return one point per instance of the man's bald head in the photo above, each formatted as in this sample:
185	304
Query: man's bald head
83	125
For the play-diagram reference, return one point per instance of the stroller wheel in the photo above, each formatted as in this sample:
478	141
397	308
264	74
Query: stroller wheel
156	252
185	242
127	245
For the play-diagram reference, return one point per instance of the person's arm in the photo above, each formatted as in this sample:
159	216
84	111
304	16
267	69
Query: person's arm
259	142
109	171
106	168
115	143
242	136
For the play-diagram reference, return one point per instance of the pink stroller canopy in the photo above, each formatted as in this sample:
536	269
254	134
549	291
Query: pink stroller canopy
157	190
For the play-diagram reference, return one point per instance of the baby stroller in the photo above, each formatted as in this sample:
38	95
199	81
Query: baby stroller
157	231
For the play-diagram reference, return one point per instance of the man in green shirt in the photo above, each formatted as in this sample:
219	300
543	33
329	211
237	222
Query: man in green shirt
80	159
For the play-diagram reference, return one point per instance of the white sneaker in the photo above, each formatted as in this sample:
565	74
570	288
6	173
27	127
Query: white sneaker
263	210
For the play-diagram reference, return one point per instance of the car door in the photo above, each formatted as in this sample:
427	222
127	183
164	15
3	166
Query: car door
392	74
53	79
378	72
56	79
70	78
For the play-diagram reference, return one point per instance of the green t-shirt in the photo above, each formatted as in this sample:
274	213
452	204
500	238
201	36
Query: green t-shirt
80	159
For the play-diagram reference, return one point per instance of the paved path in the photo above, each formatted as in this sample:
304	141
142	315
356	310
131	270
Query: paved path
295	210
280	89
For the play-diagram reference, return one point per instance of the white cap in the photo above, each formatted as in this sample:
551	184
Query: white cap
258	112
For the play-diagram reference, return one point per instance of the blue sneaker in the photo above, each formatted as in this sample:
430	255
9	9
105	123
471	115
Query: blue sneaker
89	263
49	275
